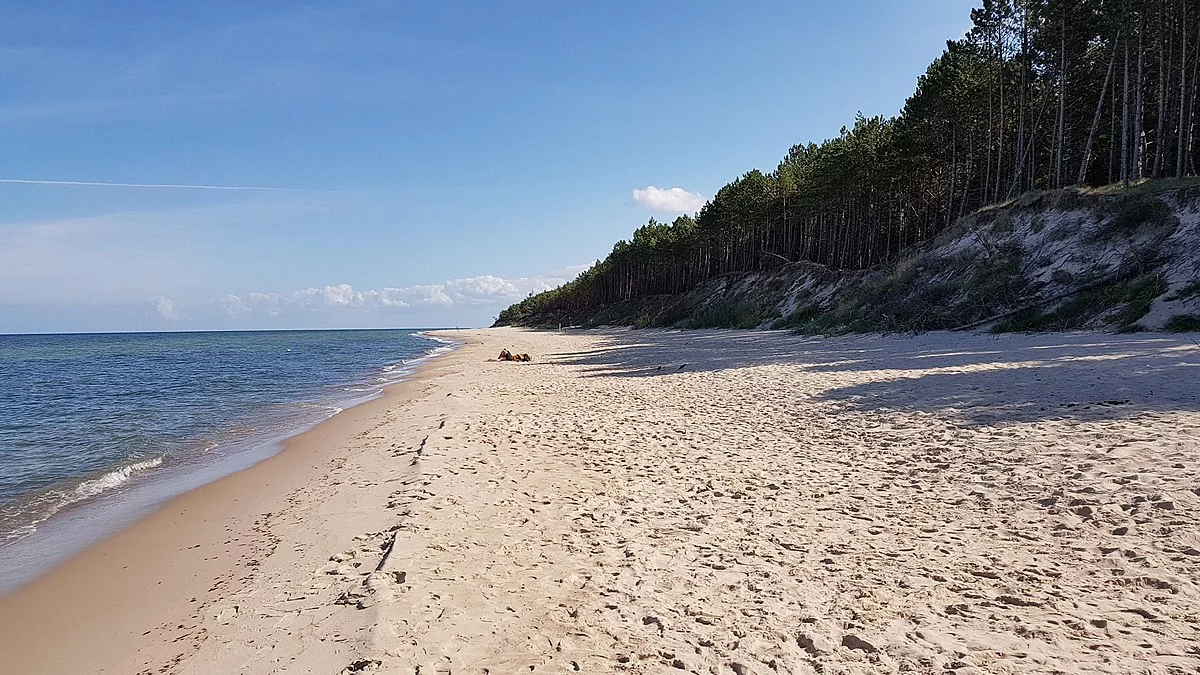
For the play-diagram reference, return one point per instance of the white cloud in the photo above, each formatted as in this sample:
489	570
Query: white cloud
570	271
468	292
234	306
674	200
165	308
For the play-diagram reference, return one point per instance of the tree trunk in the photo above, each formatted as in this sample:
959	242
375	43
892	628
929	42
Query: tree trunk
1182	97
1125	120
1138	144
1164	58
1112	136
953	175
1019	154
1000	89
1087	150
987	171
1062	101
1191	115
1028	150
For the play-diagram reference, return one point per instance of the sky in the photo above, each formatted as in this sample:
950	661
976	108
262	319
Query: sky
233	165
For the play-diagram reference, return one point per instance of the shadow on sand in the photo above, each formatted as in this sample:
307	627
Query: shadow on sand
981	379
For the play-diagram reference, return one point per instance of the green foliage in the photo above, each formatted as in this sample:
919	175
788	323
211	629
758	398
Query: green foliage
1130	215
1183	323
1123	303
1064	231
1187	187
777	284
798	318
729	314
900	299
643	320
1000	125
1003	223
1137	297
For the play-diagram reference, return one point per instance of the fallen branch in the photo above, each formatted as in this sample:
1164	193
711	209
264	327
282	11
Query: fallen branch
387	551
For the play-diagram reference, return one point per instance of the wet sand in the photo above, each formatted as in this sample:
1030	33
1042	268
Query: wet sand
140	600
709	501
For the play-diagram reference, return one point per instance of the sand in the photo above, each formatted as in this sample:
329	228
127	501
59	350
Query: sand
710	502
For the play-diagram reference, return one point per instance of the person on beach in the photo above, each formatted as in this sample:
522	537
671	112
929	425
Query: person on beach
506	355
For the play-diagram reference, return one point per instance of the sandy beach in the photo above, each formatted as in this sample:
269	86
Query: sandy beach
705	501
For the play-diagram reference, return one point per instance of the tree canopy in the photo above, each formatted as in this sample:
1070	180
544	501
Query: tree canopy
1040	94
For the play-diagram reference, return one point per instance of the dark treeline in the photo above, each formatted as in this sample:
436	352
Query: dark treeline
1040	94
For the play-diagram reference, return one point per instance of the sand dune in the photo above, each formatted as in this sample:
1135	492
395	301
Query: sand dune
733	502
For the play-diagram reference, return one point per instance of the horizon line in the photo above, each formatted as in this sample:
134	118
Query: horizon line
232	330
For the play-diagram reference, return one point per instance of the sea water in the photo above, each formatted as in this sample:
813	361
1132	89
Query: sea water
97	429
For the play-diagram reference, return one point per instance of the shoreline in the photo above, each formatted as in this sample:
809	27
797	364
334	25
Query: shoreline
84	522
106	583
704	501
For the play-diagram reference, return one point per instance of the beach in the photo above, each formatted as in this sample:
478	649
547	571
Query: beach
698	501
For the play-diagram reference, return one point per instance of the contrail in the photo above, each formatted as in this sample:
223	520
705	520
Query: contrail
171	186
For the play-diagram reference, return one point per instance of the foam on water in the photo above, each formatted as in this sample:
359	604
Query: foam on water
112	479
125	421
25	518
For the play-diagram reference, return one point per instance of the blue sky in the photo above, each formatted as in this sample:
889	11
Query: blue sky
441	159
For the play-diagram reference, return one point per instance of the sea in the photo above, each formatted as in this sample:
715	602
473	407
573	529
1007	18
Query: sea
98	429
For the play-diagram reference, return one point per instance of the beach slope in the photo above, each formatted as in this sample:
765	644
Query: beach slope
707	501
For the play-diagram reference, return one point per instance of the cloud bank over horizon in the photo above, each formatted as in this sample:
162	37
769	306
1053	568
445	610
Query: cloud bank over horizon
461	301
174	269
673	200
471	292
466	301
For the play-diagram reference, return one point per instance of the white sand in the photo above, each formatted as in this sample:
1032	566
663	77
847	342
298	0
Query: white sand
776	505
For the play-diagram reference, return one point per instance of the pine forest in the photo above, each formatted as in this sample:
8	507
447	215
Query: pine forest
1039	95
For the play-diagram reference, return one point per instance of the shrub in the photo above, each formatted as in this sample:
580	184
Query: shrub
1130	214
1003	222
1138	295
1127	301
729	314
1183	323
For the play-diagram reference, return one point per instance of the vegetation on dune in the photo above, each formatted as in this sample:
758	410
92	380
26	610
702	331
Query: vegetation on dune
1040	95
1121	304
1183	323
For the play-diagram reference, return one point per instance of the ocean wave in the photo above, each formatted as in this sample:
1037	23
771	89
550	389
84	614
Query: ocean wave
435	338
268	419
54	501
110	480
207	404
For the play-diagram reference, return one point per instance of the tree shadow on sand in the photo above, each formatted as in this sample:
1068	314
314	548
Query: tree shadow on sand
977	378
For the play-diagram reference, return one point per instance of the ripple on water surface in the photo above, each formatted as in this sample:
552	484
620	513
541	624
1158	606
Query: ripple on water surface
97	417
